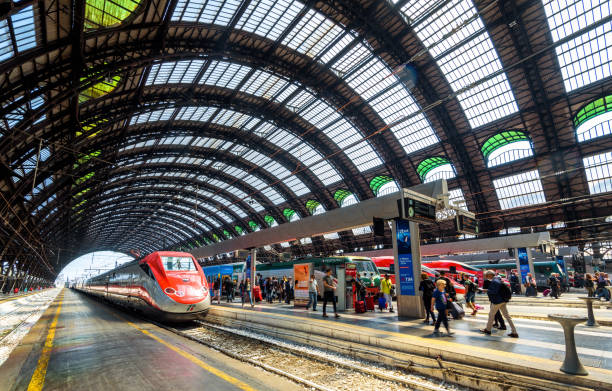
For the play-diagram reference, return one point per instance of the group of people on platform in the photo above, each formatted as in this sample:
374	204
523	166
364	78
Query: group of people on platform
596	285
440	294
270	289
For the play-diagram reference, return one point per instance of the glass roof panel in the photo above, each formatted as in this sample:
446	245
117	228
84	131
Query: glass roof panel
594	120
387	95
24	30
598	169
152	116
456	198
519	190
196	113
457	39
174	72
312	34
104	13
269	18
264	84
219	12
585	59
224	74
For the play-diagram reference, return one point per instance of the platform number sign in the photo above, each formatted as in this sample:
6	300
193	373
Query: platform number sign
404	258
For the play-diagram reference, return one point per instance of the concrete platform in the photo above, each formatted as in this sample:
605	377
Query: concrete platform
82	344
538	352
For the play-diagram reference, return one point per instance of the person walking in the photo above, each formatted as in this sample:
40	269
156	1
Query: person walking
385	287
217	289
531	288
554	286
427	286
313	291
515	283
497	297
439	301
329	289
470	293
246	292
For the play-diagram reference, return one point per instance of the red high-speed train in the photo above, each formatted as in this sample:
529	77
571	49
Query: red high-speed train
166	285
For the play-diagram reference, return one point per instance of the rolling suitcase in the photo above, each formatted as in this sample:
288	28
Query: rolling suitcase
360	307
370	303
456	310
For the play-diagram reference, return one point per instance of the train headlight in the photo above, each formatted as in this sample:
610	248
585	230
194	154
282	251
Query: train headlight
170	291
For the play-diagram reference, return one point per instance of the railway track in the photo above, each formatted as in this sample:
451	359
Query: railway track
311	367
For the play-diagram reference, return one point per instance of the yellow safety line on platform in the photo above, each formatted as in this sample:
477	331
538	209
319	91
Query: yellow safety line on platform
193	359
38	378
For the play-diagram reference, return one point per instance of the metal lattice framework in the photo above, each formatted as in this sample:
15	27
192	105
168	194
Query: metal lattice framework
175	123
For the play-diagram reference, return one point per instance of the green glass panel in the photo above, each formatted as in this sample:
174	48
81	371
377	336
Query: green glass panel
216	237
501	139
253	225
198	243
226	234
593	109
207	241
104	13
85	158
92	129
269	219
311	205
84	178
81	193
239	229
340	195
288	213
99	89
429	164
378	182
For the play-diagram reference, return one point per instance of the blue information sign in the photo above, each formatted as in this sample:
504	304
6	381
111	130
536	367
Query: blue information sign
561	262
524	263
404	258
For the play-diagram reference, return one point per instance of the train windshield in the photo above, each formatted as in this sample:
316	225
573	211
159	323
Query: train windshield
178	264
365	266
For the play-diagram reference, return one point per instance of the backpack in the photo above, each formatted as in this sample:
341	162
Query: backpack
505	293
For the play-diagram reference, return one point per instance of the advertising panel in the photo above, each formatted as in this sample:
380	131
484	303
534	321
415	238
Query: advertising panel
301	275
404	258
523	262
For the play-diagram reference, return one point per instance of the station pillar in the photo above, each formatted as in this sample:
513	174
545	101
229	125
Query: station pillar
252	273
524	264
407	255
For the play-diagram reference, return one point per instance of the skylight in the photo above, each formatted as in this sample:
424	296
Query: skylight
598	169
104	13
23	29
219	12
456	198
519	190
269	18
388	96
434	168
465	56
594	120
586	58
152	116
174	72
506	147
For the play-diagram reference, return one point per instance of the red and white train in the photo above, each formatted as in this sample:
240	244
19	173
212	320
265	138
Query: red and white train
165	285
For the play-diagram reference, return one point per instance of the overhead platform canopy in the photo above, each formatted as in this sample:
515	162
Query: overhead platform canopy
354	216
